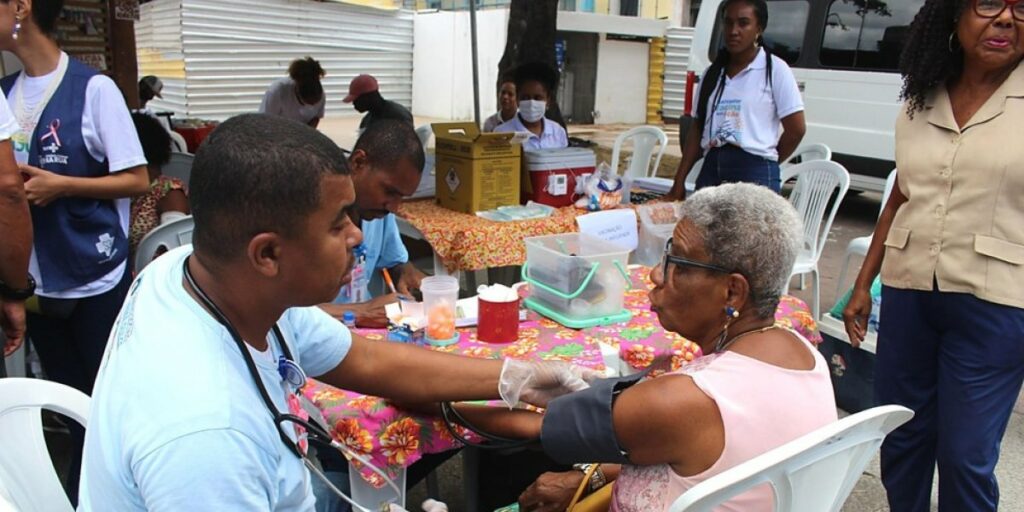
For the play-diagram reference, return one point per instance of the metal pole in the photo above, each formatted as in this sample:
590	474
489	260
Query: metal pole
476	71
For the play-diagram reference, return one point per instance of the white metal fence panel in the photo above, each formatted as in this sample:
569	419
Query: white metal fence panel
233	49
679	40
160	53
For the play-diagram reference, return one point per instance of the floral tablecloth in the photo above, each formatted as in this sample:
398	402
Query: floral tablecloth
467	242
394	439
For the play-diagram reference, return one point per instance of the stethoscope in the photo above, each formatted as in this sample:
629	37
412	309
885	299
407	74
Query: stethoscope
293	375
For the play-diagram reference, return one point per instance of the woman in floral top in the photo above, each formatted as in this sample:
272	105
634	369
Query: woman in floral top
166	199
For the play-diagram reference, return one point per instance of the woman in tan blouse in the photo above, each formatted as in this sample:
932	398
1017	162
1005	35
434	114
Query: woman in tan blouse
950	248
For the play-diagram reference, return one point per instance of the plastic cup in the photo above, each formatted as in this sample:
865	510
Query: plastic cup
439	296
497	322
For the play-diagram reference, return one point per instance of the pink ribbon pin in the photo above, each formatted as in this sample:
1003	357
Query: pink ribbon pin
54	125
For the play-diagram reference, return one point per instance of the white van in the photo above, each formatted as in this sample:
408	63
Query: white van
846	63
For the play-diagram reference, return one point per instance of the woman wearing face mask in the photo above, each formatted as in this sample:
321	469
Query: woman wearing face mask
506	106
745	95
534	83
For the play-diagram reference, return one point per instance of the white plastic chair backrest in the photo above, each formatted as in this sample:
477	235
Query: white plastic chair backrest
27	477
424	132
816	182
814	473
178	143
890	182
176	233
645	139
179	166
691	178
807	153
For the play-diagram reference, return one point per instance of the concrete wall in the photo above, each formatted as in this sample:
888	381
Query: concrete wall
621	82
442	63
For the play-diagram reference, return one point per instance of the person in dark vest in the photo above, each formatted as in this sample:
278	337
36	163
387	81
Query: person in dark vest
81	159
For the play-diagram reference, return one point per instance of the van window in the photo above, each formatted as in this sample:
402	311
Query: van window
787	22
867	34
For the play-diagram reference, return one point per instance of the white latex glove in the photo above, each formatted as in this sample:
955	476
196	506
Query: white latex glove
537	383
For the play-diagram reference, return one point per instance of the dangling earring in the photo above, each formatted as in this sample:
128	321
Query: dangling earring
17	28
730	314
952	36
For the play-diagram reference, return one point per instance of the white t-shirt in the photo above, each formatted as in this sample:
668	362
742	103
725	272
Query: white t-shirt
553	136
750	111
281	100
8	126
109	135
176	420
494	121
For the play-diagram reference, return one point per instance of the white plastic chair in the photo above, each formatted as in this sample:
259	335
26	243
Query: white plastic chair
861	244
644	138
178	143
814	473
691	179
27	477
806	153
816	182
179	166
424	132
173	234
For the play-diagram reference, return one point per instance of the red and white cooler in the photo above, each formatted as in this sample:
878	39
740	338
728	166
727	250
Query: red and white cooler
554	172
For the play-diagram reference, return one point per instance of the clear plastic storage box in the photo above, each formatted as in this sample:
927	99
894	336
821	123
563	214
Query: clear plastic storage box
576	279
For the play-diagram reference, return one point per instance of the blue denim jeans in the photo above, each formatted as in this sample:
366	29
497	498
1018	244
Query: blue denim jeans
731	164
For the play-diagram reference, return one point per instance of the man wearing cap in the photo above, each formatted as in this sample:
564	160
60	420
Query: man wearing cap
149	87
364	95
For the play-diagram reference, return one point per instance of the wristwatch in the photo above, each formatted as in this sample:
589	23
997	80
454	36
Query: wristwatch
597	479
18	293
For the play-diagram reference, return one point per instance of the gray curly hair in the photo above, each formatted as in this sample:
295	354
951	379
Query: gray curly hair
751	230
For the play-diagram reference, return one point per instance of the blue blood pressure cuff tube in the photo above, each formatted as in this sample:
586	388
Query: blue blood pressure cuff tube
578	427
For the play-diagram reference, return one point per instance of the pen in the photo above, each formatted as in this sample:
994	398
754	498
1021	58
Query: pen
387	279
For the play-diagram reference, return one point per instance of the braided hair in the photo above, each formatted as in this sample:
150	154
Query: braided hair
931	55
716	72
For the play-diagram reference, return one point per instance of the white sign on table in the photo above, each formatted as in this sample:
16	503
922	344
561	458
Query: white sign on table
615	226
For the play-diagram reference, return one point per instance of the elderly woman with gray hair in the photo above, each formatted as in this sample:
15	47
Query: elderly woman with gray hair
758	386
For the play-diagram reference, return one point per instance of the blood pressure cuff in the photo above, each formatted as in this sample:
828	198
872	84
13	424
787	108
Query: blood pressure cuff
578	427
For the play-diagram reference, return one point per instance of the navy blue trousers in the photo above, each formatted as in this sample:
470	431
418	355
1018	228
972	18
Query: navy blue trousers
958	362
70	337
731	164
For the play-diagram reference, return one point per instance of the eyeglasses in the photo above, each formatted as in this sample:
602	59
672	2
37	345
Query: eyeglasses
683	262
993	8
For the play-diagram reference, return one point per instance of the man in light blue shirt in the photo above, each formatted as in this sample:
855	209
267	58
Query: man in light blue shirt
386	164
187	409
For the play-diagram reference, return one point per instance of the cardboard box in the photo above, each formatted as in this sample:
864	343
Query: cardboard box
475	171
852	369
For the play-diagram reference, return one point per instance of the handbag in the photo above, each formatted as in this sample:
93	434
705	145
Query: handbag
597	501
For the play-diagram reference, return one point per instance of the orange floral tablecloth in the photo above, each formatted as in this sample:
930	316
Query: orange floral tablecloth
467	242
394	439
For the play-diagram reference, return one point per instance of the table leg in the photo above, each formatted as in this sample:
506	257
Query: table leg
470	480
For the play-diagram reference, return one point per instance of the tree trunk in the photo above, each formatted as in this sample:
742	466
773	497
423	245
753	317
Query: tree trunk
531	38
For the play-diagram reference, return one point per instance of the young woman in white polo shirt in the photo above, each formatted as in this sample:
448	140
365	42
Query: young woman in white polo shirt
749	113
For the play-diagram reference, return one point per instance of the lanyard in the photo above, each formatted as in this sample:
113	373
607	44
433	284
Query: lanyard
28	119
